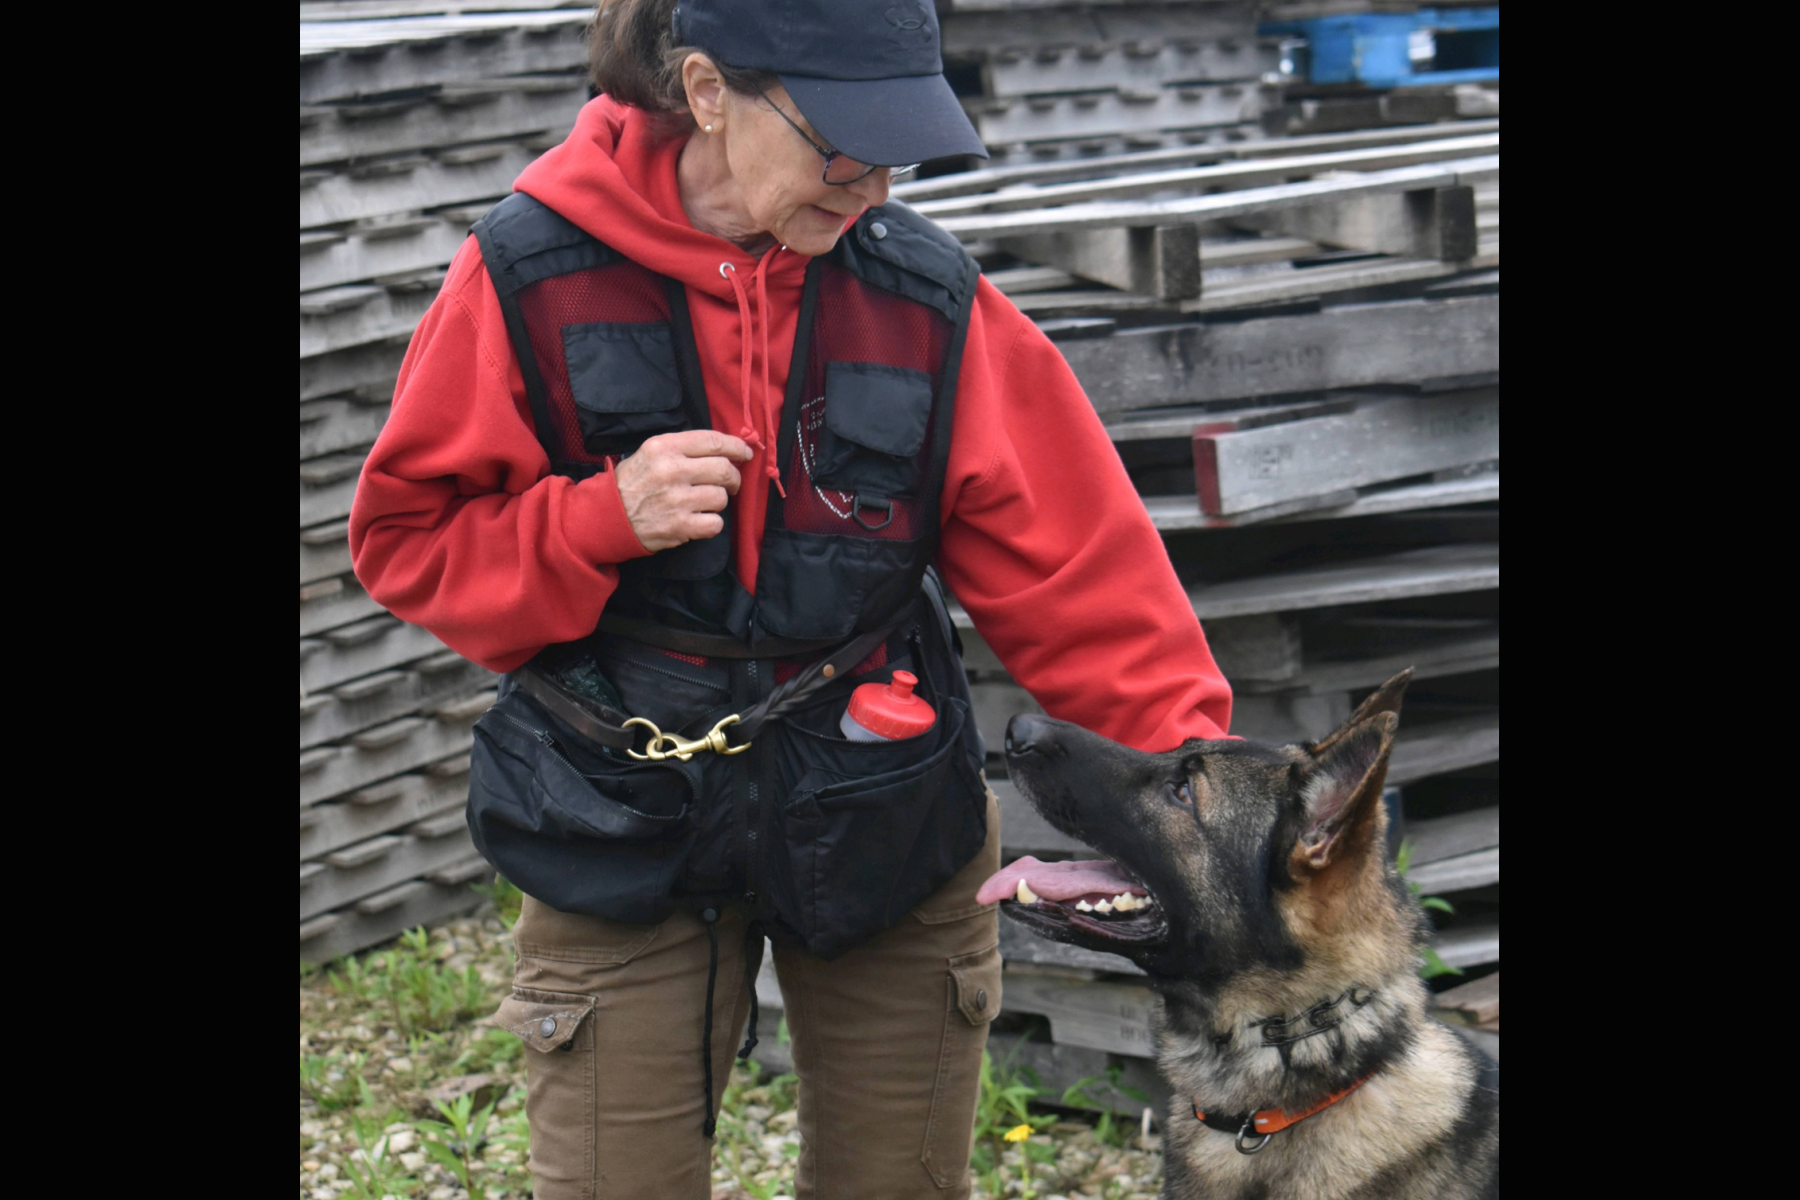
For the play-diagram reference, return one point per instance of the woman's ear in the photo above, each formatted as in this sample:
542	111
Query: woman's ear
705	89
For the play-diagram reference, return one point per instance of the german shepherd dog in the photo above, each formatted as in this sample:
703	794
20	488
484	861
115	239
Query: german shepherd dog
1252	883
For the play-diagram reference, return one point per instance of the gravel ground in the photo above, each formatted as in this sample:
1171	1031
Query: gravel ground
349	1130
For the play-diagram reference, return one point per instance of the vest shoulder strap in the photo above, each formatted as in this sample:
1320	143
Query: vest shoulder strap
523	241
895	248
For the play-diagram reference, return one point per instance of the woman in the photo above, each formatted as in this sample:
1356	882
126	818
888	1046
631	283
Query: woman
674	448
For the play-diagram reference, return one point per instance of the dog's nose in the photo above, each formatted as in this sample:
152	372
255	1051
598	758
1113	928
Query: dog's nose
1025	733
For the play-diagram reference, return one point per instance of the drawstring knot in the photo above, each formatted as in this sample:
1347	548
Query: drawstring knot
760	439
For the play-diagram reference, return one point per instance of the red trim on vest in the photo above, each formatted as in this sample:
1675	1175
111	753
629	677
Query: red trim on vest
1274	1120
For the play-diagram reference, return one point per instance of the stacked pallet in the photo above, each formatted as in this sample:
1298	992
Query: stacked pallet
413	120
1047	79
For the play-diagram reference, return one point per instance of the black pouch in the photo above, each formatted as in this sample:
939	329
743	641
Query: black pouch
624	382
572	825
876	418
871	829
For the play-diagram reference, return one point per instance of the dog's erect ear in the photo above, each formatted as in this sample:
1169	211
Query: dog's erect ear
1385	700
1343	791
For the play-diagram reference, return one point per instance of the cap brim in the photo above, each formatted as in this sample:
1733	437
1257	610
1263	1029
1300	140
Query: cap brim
886	122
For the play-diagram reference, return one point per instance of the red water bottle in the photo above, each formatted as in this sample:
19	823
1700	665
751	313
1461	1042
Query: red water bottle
886	712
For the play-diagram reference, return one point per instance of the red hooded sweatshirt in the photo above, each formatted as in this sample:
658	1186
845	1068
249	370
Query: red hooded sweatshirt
459	526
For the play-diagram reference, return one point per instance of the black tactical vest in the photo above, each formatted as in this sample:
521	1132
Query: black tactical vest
830	840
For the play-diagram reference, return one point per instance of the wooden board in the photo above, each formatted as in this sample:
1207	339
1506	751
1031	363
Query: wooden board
385	696
1433	652
1478	869
994	177
344	59
364	647
1470	945
1142	65
1159	262
391	247
1098	1014
367	314
328	487
1431	571
329	771
1356	345
1437	838
369	369
1440	747
410	904
1040	118
1476	1004
1383	439
1225	206
1434	224
331	603
382	808
1263	648
366	868
488	111
410	183
1230	176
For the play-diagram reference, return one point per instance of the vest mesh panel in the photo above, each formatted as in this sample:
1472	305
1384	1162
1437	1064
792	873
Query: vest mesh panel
856	322
623	293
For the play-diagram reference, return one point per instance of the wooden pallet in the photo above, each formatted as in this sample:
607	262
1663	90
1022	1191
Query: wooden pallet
488	110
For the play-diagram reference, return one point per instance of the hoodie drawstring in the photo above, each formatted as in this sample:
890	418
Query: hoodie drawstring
762	439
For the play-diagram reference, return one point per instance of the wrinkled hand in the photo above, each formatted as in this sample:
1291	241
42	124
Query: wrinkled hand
676	484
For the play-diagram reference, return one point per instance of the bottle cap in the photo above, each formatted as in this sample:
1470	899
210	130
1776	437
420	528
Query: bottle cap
890	709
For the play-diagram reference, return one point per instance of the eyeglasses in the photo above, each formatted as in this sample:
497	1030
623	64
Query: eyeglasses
835	162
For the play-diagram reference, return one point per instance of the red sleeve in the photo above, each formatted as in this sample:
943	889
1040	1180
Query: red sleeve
458	524
1049	548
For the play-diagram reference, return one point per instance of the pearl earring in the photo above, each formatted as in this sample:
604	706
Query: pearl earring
709	129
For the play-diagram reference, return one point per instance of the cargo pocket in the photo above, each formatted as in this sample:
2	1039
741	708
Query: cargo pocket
560	1081
974	1001
574	827
876	418
874	828
624	382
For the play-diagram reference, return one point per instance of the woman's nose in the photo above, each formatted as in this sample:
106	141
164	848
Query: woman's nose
871	189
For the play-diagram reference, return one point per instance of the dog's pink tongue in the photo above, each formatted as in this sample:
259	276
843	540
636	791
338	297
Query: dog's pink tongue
1059	881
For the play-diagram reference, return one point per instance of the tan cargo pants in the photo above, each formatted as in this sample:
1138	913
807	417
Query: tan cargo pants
887	1043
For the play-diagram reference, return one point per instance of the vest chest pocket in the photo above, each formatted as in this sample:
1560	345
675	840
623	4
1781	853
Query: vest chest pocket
624	382
876	417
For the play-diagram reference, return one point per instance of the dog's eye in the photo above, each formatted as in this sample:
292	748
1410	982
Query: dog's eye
1184	793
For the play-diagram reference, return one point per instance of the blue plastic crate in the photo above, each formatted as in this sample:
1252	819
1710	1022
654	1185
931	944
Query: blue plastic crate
1433	45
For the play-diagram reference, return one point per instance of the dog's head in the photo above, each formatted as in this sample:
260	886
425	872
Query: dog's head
1232	856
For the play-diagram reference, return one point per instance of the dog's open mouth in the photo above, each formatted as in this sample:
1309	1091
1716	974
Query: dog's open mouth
1097	897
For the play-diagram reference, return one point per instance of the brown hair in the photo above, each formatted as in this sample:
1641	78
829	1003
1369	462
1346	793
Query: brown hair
632	57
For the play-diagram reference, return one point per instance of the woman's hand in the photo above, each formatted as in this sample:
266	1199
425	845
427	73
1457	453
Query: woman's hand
676	484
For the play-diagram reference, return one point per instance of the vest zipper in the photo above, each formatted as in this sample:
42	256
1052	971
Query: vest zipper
752	805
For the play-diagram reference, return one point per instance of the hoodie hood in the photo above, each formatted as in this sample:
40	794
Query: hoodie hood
614	176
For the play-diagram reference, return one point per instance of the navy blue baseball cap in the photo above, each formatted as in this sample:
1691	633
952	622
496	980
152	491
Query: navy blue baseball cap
867	74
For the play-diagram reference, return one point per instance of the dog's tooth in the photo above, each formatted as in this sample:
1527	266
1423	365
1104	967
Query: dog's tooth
1124	902
1083	906
1025	895
1104	906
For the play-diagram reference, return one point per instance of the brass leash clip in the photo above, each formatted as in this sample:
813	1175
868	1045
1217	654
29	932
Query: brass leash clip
667	745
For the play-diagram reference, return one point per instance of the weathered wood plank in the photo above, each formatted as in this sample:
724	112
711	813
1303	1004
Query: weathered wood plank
1477	1003
506	109
1234	176
361	648
427	51
328	771
1436	838
1383	439
1469	945
1435	224
330	603
334	425
1160	262
345	931
379	864
1471	646
1044	118
1098	1014
991	178
385	696
1355	345
369	369
1139	67
381	808
1224	206
1431	571
1444	746
404	245
410	183
1263	648
1480	868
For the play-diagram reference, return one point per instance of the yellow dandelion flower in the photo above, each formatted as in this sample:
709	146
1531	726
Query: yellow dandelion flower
1018	1133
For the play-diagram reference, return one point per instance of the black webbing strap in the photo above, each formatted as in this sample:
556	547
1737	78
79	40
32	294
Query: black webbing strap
707	645
606	725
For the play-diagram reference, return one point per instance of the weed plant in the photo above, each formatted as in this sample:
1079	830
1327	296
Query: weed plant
1434	965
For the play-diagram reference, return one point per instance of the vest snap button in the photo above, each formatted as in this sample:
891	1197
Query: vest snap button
547	1027
981	999
878	231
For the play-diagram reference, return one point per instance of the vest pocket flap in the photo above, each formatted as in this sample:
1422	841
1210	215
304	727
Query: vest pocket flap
622	368
977	980
545	1020
879	407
